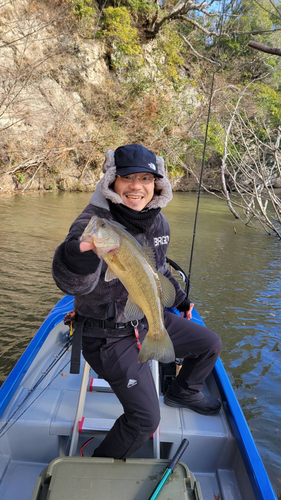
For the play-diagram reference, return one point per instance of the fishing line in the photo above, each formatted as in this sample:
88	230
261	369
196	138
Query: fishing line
58	357
99	16
204	148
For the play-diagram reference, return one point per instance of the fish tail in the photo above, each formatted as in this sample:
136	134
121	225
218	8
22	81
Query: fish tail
161	350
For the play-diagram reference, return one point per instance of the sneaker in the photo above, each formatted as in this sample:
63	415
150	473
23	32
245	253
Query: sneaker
206	405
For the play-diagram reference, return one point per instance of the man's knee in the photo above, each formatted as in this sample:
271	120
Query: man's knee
217	346
213	344
149	423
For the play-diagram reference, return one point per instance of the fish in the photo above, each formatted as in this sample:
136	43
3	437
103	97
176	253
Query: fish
148	290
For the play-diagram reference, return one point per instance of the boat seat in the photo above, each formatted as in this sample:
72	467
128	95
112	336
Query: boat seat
57	405
98	384
98	406
101	409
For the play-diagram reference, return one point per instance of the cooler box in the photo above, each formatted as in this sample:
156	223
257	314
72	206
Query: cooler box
74	478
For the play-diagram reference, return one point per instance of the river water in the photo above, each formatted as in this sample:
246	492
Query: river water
236	286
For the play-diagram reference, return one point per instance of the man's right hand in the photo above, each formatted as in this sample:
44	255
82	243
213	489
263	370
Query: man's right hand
80	258
85	246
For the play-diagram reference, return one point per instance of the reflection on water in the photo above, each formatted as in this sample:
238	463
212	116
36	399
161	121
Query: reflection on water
236	283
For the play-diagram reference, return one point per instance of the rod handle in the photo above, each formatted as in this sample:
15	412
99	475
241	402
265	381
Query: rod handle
181	449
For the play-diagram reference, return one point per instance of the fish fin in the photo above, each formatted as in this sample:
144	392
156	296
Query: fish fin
168	291
110	275
150	255
161	350
132	311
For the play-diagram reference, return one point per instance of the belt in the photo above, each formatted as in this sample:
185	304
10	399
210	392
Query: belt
80	323
105	323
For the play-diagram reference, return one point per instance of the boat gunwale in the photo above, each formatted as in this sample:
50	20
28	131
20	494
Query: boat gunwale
15	377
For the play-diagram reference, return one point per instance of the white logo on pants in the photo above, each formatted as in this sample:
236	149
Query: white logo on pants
132	382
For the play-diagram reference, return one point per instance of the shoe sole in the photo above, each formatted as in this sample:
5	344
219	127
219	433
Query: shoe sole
174	404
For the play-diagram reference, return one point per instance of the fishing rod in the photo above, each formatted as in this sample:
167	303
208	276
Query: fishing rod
204	149
64	349
170	468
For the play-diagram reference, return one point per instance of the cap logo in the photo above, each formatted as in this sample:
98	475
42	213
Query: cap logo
151	165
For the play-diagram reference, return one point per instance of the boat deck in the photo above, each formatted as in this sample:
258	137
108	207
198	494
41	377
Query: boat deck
40	431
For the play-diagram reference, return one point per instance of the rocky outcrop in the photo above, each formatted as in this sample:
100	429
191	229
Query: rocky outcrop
63	106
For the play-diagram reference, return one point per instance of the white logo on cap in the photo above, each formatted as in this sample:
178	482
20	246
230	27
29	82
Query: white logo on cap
151	165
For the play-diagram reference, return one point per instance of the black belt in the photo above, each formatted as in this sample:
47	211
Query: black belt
80	323
105	323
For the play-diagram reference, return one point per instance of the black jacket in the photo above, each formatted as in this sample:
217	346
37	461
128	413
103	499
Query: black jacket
82	274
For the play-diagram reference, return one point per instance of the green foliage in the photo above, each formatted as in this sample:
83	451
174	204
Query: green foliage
271	61
240	60
82	8
175	170
138	85
257	16
20	177
215	137
142	6
233	46
195	147
118	29
215	141
171	44
270	102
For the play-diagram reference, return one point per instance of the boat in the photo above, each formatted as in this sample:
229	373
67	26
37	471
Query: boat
47	414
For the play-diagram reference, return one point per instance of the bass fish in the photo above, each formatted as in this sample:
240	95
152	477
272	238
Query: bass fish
149	291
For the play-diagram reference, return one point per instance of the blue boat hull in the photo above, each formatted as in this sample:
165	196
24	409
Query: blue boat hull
258	477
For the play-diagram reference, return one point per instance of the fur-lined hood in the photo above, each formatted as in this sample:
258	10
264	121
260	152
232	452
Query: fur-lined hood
162	194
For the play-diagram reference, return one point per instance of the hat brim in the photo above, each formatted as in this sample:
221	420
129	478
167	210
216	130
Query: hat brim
134	170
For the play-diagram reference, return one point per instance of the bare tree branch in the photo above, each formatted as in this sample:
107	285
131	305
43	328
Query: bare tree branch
264	48
275	7
254	32
180	9
267	10
200	56
198	26
30	33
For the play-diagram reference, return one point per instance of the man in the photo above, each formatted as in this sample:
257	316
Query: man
133	191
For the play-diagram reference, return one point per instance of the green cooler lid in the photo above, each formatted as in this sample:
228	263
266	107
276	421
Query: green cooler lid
75	478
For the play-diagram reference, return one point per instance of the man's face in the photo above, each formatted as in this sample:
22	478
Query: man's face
134	193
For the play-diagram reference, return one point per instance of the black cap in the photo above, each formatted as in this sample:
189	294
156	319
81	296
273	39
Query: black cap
135	158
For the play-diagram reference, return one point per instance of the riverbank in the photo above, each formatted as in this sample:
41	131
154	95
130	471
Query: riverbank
86	178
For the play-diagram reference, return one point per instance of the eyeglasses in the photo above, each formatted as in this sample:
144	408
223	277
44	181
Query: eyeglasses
143	179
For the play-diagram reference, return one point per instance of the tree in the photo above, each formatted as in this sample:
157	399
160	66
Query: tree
275	12
251	164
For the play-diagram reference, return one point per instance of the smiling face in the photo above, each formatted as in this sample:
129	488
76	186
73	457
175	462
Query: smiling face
134	194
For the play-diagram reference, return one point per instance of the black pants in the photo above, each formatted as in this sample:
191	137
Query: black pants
116	360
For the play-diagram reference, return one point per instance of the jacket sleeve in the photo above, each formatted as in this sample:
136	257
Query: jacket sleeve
75	272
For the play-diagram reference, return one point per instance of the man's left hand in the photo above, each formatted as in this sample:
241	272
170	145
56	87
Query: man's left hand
188	314
186	307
